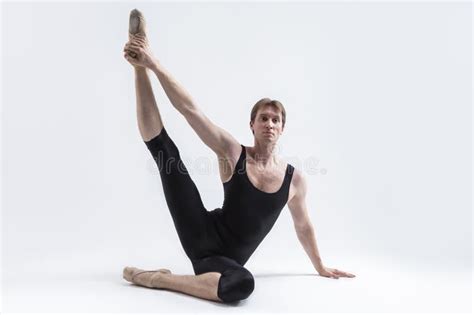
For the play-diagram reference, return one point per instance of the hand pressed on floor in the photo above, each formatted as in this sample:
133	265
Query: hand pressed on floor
334	273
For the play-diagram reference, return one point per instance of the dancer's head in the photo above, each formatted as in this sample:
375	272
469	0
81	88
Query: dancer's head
267	115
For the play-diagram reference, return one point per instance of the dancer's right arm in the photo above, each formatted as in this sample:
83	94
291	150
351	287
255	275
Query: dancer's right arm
216	138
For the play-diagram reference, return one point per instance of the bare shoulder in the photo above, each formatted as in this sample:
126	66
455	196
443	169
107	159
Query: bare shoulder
216	138
297	205
298	180
231	152
228	158
298	184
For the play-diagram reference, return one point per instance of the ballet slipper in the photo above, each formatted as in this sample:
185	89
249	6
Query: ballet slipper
136	26
130	274
137	23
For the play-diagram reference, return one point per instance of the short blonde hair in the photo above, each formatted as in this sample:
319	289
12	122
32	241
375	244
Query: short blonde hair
264	102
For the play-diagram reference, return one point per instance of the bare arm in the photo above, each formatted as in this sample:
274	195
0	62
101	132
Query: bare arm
216	138
303	226
305	230
177	95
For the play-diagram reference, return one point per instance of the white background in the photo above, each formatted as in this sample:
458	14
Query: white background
377	94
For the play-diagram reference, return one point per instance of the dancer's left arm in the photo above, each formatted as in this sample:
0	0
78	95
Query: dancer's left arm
305	230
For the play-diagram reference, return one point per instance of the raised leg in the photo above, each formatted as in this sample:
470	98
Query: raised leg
148	115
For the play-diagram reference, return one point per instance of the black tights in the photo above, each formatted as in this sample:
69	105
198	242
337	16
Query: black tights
194	224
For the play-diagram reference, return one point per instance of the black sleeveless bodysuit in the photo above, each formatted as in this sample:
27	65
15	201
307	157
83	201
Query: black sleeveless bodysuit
248	213
221	240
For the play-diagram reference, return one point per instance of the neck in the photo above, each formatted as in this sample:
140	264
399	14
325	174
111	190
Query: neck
264	153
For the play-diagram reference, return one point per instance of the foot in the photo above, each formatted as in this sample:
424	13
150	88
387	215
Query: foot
146	278
137	24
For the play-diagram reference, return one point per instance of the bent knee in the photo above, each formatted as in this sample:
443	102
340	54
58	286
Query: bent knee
235	285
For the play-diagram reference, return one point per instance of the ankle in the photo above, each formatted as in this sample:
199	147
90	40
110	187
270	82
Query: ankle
139	68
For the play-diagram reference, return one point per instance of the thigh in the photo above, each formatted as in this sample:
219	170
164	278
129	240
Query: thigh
184	202
215	263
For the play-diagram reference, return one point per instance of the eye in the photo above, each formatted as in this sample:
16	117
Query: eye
264	118
275	120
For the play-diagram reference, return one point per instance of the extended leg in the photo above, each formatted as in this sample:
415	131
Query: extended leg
217	278
203	286
148	115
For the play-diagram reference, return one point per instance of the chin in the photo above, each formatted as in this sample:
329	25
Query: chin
268	138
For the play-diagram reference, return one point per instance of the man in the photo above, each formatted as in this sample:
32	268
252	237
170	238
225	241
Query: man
257	186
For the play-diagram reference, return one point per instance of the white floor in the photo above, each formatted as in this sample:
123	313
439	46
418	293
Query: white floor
78	285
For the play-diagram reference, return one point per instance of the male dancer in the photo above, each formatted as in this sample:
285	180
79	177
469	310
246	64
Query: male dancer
257	185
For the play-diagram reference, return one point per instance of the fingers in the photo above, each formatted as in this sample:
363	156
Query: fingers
343	273
131	46
139	37
130	53
128	57
330	275
131	57
139	40
131	50
348	275
135	44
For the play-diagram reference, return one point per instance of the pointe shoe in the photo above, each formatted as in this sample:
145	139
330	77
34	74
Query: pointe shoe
137	24
130	273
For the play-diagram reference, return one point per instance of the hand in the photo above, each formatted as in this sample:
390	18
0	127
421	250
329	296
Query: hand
333	273
138	53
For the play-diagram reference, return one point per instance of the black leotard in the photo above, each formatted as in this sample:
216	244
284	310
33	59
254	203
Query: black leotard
248	213
221	240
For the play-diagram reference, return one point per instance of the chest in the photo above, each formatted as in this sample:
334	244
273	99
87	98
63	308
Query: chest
268	180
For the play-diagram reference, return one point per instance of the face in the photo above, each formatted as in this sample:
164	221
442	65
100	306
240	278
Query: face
268	124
